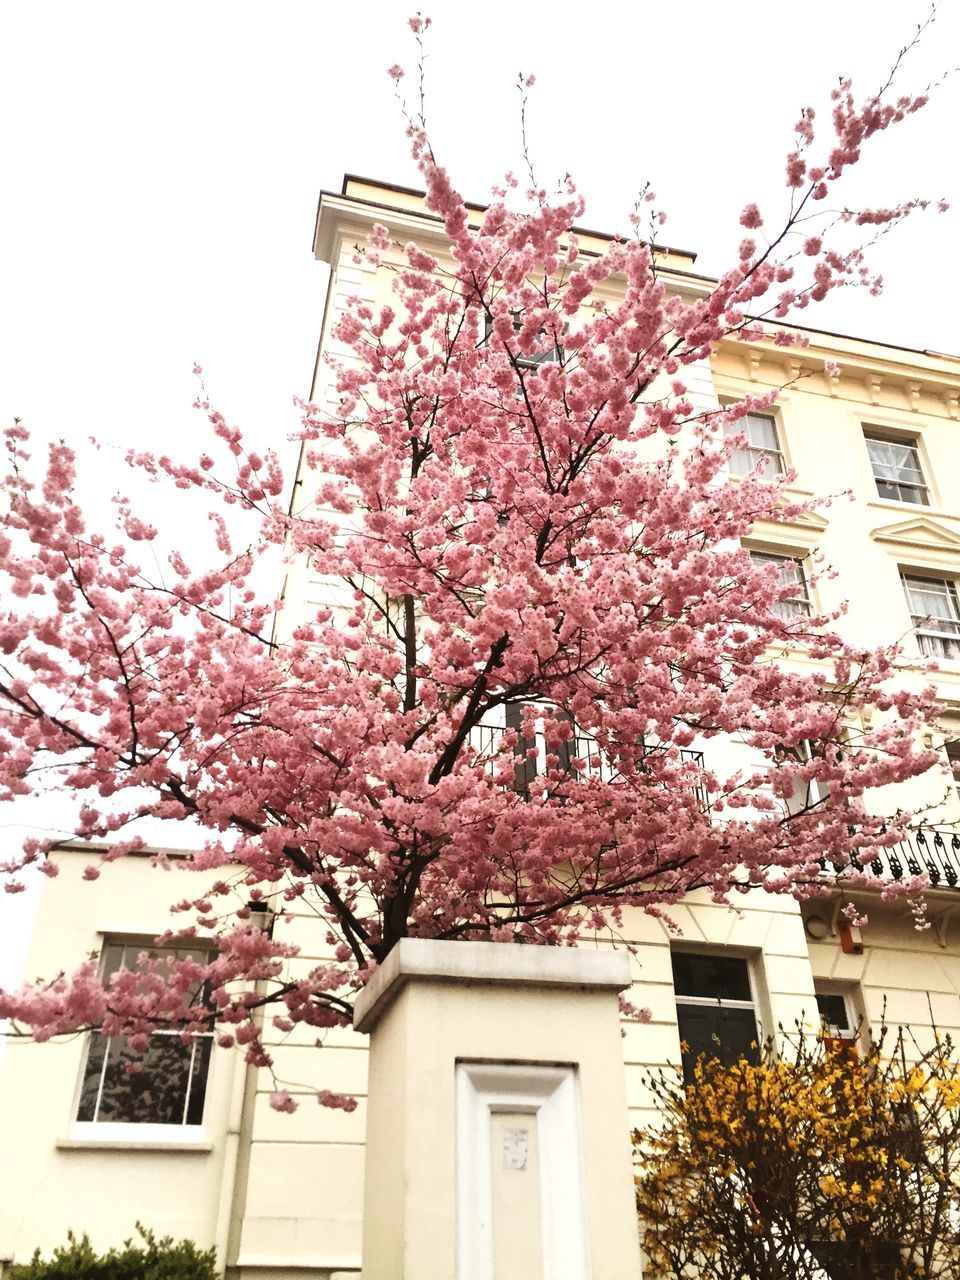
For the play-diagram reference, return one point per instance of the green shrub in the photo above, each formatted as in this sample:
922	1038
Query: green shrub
152	1259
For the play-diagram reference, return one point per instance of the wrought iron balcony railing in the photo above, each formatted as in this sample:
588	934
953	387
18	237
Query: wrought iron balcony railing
930	851
927	850
487	740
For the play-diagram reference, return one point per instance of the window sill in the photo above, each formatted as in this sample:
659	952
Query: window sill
917	663
114	1142
891	504
791	492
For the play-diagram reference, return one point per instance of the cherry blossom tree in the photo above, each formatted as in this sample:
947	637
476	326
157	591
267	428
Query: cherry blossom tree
539	607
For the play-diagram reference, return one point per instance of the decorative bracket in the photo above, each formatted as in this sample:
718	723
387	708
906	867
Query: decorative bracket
836	907
942	921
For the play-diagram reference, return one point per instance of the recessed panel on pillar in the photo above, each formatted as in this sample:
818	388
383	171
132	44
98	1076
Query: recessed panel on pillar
521	1209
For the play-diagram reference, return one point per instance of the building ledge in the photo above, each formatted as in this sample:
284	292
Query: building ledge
92	1143
270	1270
488	962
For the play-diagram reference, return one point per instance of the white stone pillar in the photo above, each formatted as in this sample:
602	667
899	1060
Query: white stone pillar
497	1132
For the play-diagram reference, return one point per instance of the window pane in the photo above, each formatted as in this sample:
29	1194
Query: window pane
716	1032
791	575
761	431
549	352
565	751
113	958
168	1082
548	355
833	1012
742	462
896	469
764	449
526	767
933	646
933	599
90	1088
711	977
881	459
936	615
127	956
202	1046
155	1094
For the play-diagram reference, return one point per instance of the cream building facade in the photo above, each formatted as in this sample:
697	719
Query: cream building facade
282	1196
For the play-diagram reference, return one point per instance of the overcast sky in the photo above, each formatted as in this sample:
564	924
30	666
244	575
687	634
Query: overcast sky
162	165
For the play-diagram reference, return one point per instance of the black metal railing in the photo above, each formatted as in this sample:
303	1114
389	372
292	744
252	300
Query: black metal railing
487	741
930	851
927	850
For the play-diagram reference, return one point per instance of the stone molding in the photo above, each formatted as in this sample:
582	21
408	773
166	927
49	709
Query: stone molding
488	962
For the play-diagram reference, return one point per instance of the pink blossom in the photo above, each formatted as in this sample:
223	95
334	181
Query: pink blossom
339	1101
796	169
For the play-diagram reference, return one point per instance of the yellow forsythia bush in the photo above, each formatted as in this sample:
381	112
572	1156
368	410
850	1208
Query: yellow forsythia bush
817	1164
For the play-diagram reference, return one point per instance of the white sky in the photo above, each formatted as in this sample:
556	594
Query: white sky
162	166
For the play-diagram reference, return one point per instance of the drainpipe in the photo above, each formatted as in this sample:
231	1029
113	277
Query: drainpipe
231	1159
243	1092
236	1158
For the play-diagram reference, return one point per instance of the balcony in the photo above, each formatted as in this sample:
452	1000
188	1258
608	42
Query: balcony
487	740
930	851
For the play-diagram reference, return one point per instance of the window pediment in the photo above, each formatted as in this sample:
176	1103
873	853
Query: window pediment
802	531
922	534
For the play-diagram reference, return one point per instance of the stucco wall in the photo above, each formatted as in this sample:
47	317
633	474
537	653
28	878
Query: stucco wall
52	1177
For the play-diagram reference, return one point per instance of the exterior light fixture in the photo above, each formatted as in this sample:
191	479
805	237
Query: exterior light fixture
263	916
816	927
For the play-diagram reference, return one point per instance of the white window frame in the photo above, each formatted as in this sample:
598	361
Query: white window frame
929	639
553	354
146	1133
814	791
756	454
852	1034
920	489
799	606
951	749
